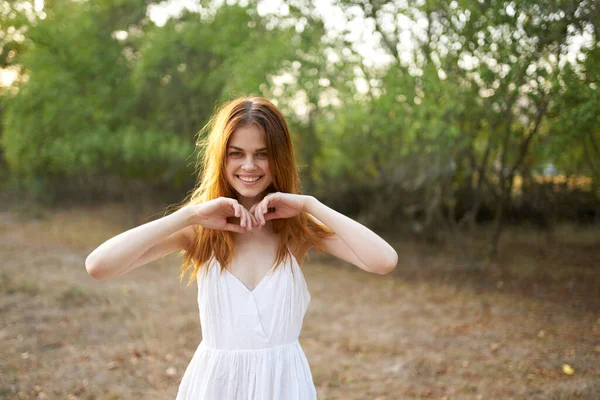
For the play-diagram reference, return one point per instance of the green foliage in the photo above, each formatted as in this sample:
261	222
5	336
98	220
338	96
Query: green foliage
91	102
482	93
64	116
575	125
183	69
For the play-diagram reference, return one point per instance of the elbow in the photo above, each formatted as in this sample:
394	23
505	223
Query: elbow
93	268
389	265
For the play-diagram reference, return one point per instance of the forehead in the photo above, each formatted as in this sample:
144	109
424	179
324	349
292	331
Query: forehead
247	137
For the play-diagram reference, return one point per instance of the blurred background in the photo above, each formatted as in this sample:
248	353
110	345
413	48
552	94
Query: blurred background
466	133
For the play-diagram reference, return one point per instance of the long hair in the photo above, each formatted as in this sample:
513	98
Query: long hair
298	234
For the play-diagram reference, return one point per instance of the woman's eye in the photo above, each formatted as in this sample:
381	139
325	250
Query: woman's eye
239	153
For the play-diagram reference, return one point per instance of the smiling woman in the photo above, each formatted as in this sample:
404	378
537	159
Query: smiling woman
253	282
252	295
249	154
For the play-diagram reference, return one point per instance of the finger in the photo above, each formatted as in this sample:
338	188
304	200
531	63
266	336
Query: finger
269	204
254	221
259	217
240	214
249	220
234	204
258	214
234	228
270	216
265	212
245	217
262	209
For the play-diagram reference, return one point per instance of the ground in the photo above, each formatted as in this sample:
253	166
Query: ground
524	327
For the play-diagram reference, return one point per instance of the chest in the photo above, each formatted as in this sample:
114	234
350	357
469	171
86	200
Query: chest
253	260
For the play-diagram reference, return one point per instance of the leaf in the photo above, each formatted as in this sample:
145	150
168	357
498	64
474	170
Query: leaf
567	369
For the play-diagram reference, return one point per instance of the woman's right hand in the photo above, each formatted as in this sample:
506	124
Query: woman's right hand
215	214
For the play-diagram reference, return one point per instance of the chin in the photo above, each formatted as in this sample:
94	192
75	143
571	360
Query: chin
247	193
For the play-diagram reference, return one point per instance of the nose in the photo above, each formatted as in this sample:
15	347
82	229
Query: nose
249	164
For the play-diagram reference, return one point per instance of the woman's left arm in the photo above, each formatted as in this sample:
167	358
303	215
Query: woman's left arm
353	242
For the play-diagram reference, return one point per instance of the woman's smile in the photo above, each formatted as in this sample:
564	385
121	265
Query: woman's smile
249	180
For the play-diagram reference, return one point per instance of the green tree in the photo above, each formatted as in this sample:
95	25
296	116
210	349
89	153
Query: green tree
476	88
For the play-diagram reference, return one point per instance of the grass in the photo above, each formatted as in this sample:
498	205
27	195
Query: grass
75	296
435	328
25	286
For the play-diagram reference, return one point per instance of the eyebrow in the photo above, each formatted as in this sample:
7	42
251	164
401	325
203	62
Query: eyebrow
238	148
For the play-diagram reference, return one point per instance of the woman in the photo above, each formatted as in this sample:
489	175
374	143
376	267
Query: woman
245	232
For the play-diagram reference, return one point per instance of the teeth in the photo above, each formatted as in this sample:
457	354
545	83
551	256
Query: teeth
249	180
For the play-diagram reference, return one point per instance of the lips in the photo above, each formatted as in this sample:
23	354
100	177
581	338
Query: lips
249	178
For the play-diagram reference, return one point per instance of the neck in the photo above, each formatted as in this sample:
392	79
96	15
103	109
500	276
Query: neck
255	234
248	202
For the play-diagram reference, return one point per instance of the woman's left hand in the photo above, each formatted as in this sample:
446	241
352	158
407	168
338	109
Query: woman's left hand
279	205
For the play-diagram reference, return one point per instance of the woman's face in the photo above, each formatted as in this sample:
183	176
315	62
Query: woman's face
247	165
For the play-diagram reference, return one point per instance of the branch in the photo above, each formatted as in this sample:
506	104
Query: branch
481	171
541	111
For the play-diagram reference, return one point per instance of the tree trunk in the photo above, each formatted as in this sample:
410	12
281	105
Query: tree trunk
497	231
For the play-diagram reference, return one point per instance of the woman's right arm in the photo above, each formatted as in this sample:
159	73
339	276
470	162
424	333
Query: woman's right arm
155	239
140	245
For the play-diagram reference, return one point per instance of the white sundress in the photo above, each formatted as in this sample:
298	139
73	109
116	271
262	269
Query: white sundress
250	348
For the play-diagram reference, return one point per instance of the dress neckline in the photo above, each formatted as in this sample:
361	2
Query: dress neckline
243	285
264	278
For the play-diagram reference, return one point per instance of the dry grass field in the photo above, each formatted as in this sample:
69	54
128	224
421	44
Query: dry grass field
526	327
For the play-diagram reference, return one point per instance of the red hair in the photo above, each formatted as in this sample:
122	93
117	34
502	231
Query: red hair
298	234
